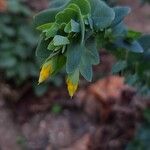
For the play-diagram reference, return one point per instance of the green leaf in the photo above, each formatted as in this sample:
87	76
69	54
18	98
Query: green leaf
51	46
84	6
51	32
131	79
90	56
67	28
46	16
145	42
14	6
119	66
74	77
58	63
119	30
134	46
74	53
75	27
120	14
45	26
72	26
81	19
92	52
60	40
7	61
87	72
90	22
66	15
42	52
26	33
86	69
133	35
102	15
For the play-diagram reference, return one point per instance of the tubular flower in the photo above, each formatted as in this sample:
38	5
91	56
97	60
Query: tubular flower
71	87
46	71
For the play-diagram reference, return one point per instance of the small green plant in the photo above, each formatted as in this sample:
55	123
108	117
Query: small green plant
17	43
142	138
73	32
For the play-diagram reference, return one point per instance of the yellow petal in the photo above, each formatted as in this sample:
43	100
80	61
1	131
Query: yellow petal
71	88
45	72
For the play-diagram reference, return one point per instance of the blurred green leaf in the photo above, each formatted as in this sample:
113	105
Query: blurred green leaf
119	66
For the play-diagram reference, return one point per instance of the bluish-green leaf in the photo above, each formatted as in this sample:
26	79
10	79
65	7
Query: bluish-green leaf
51	32
86	69
75	27
102	15
84	6
133	46
72	26
81	19
42	52
45	26
45	16
66	15
74	77
74	53
145	42
51	46
119	66
58	63
119	30
120	13
92	52
60	40
7	62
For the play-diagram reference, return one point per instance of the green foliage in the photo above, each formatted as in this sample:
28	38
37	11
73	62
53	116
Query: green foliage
18	41
135	66
78	28
119	66
142	138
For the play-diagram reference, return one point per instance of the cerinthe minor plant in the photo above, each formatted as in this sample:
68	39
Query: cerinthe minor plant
73	31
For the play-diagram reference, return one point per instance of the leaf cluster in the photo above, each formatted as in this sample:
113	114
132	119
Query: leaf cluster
73	31
135	66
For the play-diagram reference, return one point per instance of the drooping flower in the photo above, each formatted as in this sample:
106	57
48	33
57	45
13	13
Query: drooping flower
46	71
71	87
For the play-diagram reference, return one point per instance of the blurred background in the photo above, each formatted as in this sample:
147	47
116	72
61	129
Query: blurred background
108	114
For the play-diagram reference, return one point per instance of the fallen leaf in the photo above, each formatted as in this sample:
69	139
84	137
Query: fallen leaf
3	5
109	87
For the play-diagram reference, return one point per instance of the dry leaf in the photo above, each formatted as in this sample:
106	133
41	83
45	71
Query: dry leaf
3	5
109	87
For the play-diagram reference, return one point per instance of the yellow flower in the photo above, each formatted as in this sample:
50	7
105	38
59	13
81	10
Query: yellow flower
46	71
71	87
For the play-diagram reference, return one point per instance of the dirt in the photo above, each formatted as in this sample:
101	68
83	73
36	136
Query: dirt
90	121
